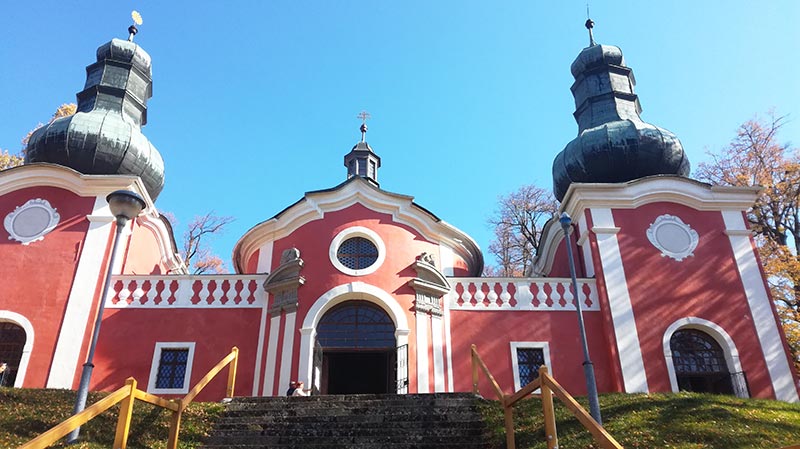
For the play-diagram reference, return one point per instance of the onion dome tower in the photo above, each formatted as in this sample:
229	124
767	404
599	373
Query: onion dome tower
613	143
104	136
361	160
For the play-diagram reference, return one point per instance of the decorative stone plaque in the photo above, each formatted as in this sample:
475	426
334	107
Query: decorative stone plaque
31	221
673	237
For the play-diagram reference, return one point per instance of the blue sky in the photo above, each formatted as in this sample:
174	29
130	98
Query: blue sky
255	102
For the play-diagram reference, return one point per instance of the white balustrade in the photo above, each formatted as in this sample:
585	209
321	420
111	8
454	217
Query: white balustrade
538	294
181	291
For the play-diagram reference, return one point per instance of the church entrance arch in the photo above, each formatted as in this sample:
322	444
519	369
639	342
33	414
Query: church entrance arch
361	326
12	345
358	348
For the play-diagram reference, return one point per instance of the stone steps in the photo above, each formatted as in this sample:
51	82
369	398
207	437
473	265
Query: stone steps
425	421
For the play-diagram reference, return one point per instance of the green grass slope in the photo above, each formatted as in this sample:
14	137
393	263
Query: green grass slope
675	421
26	413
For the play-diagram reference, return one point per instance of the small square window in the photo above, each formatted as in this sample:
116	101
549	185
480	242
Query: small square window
171	369
526	359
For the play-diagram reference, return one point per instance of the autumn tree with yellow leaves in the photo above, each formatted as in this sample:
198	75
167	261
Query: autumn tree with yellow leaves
755	157
8	160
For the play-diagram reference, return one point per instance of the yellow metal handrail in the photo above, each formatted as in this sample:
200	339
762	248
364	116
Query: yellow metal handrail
126	396
548	386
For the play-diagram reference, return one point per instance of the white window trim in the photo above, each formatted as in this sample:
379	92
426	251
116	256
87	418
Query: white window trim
357	231
710	328
151	385
515	345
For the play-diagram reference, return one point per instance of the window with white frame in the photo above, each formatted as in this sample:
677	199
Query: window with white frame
171	369
526	359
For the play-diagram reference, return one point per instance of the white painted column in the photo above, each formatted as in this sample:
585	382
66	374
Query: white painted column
448	340
438	357
423	383
286	351
264	265
619	300
758	299
79	303
308	336
272	351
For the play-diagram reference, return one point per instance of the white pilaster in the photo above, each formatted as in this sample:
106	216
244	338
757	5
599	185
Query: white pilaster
264	265
448	341
79	303
438	357
630	352
286	351
272	351
423	384
758	299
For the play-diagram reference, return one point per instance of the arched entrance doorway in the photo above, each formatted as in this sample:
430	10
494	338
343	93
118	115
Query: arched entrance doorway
700	364
12	344
355	350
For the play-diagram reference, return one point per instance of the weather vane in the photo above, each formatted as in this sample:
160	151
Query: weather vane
137	20
364	116
589	25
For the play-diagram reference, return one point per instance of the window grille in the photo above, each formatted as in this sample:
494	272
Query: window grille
357	253
529	360
172	368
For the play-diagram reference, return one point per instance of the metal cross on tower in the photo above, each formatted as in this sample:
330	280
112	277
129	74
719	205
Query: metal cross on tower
364	116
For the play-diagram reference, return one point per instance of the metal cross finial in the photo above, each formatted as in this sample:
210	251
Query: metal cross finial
137	20
364	116
589	25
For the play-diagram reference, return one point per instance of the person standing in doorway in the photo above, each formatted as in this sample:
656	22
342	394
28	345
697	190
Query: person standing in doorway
292	388
3	374
299	391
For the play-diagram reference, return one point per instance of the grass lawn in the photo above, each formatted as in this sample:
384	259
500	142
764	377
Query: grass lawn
26	413
680	421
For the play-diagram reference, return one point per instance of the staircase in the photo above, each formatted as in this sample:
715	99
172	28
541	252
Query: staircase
366	421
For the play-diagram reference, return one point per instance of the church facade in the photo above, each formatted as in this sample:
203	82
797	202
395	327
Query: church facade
356	289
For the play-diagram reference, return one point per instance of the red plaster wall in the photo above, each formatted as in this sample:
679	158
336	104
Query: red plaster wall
707	286
43	271
141	252
492	333
128	337
313	240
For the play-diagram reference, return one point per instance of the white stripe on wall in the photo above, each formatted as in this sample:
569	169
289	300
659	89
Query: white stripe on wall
438	358
264	265
757	297
423	384
630	352
286	351
272	350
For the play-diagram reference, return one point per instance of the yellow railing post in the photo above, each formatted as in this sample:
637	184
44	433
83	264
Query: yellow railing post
232	372
508	411
550	431
125	413
473	353
175	426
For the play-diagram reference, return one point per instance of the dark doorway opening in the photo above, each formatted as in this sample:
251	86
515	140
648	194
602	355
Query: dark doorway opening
355	351
357	372
700	363
12	343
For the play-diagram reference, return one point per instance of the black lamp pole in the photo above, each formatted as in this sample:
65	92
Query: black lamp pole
588	368
125	205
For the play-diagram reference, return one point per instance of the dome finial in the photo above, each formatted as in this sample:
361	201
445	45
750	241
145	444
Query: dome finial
137	20
589	25
364	116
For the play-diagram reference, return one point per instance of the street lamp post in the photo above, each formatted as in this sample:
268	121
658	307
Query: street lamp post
588	368
125	205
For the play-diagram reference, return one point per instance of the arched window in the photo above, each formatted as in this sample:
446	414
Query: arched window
356	325
12	343
699	363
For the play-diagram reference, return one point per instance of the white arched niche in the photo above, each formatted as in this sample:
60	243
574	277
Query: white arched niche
709	327
13	317
337	295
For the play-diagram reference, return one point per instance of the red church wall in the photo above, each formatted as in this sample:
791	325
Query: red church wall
252	263
706	285
142	252
43	271
492	333
403	245
215	331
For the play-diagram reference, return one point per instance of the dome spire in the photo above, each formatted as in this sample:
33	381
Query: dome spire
361	160
614	144
104	136
589	25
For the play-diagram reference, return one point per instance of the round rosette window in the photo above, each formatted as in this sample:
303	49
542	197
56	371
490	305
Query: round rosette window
357	251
